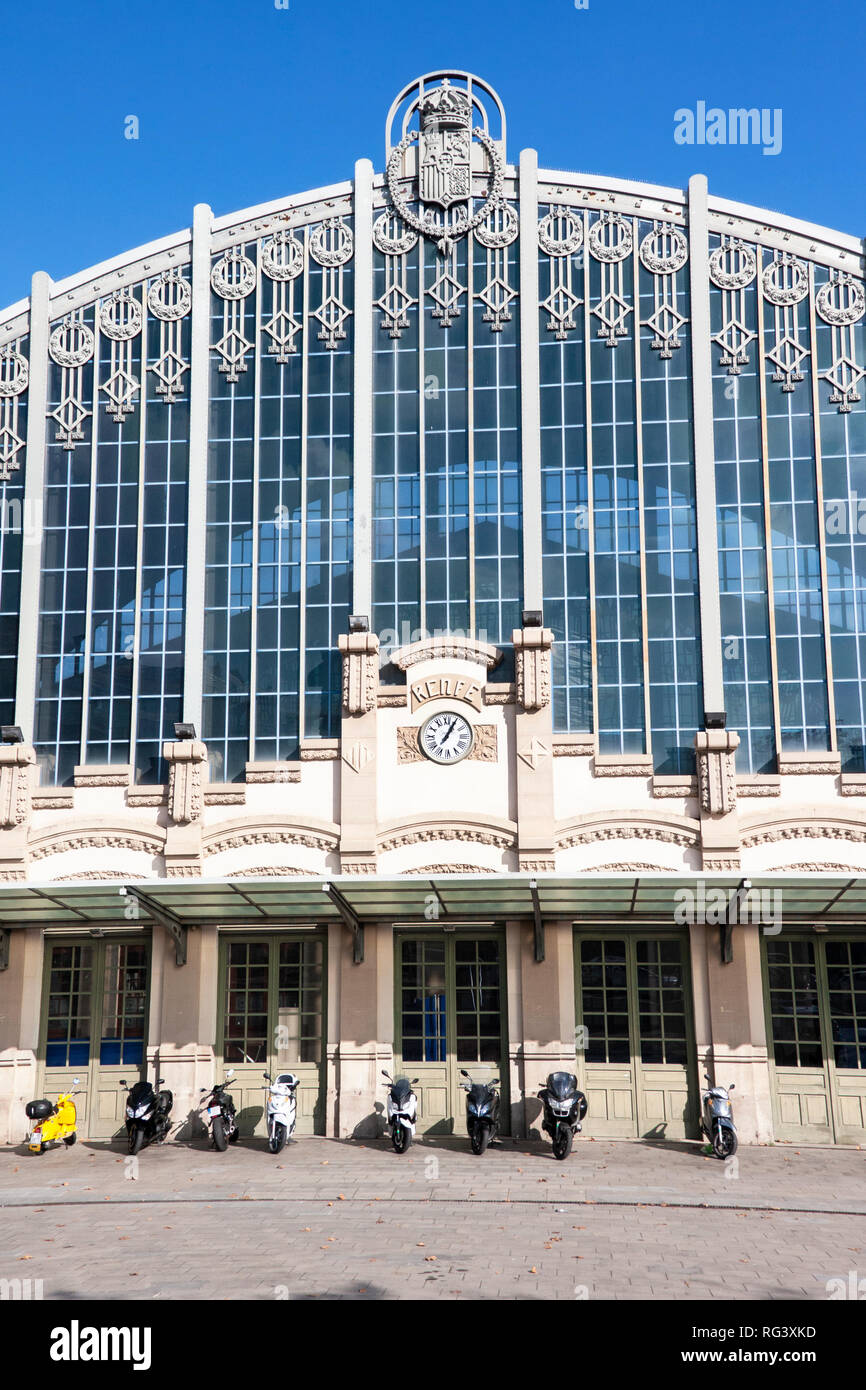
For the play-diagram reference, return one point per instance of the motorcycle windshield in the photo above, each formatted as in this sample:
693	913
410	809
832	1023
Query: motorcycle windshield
561	1085
479	1095
141	1092
401	1091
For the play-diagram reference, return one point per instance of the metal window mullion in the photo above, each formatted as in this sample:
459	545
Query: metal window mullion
256	537
422	456
362	396
706	517
638	424
768	530
530	387
590	492
470	428
302	587
819	507
91	528
139	546
196	533
33	503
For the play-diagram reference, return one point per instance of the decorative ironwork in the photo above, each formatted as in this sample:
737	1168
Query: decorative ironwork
446	290
233	278
395	241
120	318
733	267
496	233
785	282
611	240
71	346
663	252
560	236
332	247
841	303
14	376
282	262
169	299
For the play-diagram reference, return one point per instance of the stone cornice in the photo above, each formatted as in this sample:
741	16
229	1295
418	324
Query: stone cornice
452	648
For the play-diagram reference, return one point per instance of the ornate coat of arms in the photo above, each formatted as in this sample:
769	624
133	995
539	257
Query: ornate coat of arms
445	147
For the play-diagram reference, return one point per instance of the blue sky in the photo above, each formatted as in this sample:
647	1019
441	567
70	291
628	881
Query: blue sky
240	102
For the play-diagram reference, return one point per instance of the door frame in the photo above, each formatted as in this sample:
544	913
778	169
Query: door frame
91	1073
273	938
631	934
452	1065
834	1132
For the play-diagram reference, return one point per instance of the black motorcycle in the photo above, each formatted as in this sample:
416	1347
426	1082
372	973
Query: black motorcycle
564	1108
147	1114
482	1111
220	1110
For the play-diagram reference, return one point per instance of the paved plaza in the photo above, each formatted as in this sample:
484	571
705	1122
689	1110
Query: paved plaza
328	1219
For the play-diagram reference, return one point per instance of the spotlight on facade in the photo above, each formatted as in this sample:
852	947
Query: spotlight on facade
532	617
358	623
184	731
10	733
715	721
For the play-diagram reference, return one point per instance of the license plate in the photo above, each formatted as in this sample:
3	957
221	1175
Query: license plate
214	1110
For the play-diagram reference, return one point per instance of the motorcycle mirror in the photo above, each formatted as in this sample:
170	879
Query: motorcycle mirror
266	1075
75	1080
385	1074
463	1073
495	1081
230	1072
160	1081
733	1086
121	1083
414	1081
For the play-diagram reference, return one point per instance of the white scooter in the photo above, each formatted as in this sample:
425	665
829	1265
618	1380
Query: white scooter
402	1109
281	1109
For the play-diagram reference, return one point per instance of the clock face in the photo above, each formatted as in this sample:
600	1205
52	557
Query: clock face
446	738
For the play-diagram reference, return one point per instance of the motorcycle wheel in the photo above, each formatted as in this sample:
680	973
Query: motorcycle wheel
480	1139
401	1138
562	1142
69	1140
135	1141
277	1140
218	1130
724	1143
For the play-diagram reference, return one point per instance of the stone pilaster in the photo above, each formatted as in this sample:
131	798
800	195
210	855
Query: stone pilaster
533	723
187	773
730	1026
547	1021
715	751
358	752
17	775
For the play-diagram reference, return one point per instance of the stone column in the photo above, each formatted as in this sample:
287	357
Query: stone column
548	1044
730	1025
17	775
183	1021
534	749
358	750
20	1003
362	1052
715	750
187	771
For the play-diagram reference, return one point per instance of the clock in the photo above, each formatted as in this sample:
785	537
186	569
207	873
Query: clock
446	738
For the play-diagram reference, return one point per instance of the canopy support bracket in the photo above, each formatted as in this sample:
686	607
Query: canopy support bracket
538	921
351	920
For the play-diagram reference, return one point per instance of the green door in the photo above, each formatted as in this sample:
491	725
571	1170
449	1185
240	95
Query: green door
450	1011
815	995
272	1019
94	1025
635	1037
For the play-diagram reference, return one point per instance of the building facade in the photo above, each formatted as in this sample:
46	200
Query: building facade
433	618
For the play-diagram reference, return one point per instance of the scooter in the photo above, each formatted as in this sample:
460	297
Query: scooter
717	1119
52	1121
281	1109
482	1111
564	1108
402	1109
147	1114
220	1109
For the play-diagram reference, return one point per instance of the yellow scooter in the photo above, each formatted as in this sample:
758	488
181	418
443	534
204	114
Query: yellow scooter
52	1122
